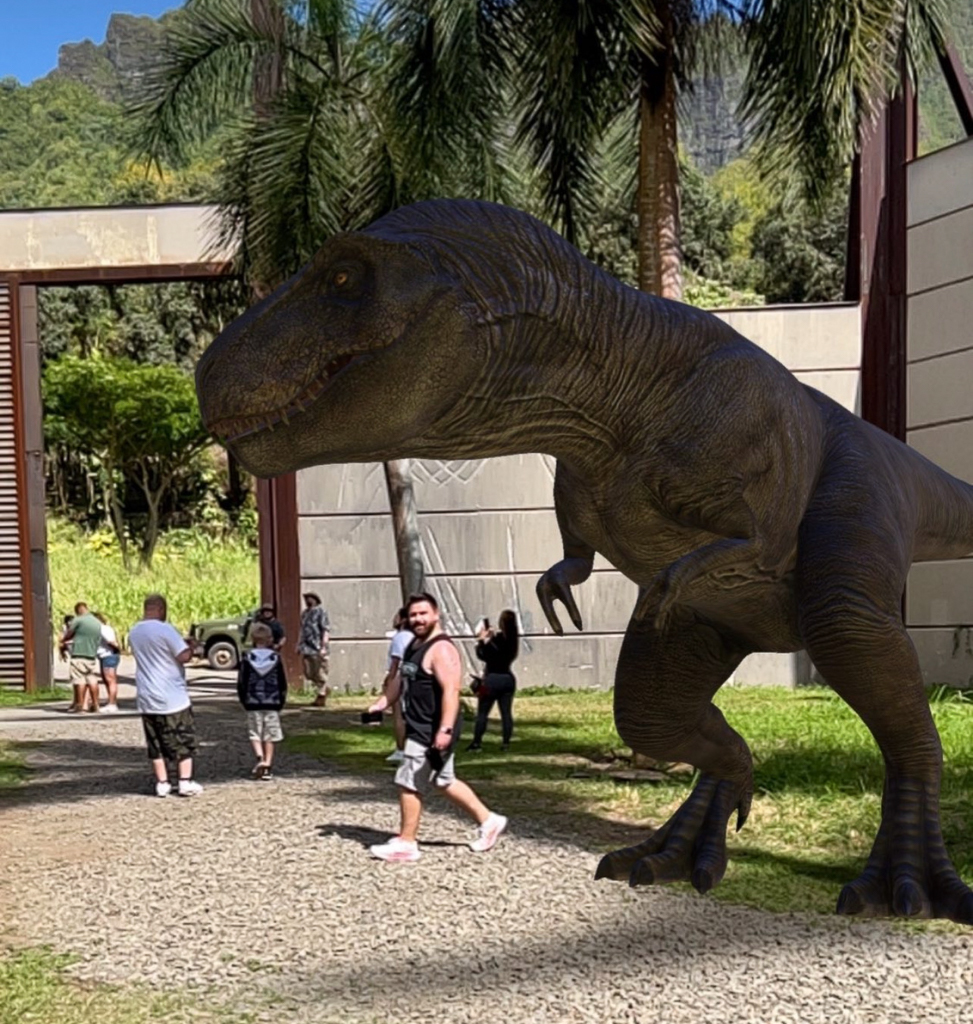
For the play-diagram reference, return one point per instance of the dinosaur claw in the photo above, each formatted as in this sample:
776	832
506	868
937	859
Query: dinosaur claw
702	880
642	874
743	809
907	900
613	866
850	901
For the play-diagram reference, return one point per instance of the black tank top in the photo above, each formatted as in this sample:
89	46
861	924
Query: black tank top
422	696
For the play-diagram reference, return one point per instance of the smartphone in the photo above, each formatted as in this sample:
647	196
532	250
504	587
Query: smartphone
435	759
483	624
372	717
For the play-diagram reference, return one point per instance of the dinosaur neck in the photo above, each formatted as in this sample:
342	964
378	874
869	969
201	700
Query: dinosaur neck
569	386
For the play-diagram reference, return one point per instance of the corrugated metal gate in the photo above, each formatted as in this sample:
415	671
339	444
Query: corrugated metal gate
12	662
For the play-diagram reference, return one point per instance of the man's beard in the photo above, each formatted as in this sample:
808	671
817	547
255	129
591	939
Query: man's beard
422	628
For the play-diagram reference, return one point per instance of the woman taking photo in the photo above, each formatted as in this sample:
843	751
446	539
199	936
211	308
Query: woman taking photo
498	649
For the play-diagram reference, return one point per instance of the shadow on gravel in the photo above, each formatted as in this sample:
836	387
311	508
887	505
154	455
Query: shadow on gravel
365	836
85	766
677	939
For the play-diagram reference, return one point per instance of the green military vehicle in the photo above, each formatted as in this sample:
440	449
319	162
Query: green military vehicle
222	642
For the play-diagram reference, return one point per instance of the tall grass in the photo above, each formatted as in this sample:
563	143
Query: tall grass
201	576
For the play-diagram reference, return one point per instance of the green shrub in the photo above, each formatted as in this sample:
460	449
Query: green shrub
201	576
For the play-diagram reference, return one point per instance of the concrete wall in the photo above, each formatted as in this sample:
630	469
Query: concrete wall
115	237
488	531
939	597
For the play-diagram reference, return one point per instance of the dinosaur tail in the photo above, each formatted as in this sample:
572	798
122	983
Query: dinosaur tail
944	527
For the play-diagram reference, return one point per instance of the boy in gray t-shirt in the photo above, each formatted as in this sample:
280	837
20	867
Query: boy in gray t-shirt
162	697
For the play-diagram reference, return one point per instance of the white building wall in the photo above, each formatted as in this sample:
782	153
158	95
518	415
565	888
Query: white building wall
939	410
488	531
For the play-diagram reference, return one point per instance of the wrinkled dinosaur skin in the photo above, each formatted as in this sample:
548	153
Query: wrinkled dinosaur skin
754	513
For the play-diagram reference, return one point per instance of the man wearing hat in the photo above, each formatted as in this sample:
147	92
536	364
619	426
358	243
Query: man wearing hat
313	647
267	615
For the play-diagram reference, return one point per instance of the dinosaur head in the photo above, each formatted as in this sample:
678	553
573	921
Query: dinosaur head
355	358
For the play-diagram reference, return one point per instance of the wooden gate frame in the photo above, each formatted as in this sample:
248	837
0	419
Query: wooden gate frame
276	498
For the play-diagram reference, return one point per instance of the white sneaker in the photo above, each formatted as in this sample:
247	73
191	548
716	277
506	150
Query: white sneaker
109	709
162	789
489	832
397	850
396	757
189	788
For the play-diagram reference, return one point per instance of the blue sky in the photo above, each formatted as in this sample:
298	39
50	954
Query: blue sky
32	30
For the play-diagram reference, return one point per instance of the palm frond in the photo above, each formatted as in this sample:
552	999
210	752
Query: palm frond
204	75
442	87
572	87
818	71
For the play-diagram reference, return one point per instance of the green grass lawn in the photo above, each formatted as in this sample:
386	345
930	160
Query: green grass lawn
34	989
12	768
14	697
818	783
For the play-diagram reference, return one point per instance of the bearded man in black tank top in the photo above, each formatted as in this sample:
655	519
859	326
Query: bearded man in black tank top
428	683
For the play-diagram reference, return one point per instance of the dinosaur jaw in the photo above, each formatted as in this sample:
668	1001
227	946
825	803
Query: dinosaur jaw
232	429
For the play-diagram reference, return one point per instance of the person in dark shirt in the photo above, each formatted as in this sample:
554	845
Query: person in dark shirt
267	616
429	680
262	689
498	650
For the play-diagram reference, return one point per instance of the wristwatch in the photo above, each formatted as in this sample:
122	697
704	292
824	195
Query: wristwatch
445	729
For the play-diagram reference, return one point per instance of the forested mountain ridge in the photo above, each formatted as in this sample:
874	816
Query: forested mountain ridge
112	68
713	134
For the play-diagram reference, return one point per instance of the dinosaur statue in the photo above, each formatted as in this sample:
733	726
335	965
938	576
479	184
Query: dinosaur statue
754	513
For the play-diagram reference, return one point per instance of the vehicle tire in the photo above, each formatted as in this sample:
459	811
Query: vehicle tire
222	655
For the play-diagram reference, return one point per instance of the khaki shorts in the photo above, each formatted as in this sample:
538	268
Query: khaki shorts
416	773
85	670
264	726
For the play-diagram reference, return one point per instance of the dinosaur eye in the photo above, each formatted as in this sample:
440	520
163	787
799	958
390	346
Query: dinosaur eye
341	278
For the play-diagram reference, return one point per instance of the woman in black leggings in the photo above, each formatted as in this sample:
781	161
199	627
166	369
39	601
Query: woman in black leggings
498	650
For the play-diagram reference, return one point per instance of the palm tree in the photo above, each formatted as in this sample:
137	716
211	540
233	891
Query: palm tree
816	70
820	69
309	148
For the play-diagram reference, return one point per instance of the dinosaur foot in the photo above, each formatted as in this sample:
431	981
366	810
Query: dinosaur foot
909	873
690	846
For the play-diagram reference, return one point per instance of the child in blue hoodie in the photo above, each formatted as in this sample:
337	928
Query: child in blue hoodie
262	689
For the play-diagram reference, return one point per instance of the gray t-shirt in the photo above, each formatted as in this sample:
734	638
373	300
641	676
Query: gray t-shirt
160	680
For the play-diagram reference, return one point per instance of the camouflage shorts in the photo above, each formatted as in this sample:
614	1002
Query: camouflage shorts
170	736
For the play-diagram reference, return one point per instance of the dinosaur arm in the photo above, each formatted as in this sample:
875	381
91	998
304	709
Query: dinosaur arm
570	572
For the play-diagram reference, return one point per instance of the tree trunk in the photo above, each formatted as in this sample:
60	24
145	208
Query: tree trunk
153	498
398	480
660	254
117	514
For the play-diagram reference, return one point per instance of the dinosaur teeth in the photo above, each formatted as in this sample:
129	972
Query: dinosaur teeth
234	429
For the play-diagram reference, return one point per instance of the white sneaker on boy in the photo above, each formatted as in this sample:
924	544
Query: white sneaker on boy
396	850
189	788
489	832
162	789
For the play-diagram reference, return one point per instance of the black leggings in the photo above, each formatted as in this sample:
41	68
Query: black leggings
500	689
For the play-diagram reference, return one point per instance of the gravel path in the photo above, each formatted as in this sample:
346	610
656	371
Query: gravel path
262	894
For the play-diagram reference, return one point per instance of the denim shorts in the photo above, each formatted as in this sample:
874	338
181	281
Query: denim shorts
110	660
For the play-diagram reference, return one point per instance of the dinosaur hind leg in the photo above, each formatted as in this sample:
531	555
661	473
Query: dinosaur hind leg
664	684
849	596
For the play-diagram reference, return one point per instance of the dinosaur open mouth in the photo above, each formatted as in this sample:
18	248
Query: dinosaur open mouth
233	428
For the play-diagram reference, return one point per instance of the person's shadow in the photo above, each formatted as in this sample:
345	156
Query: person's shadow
371	837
